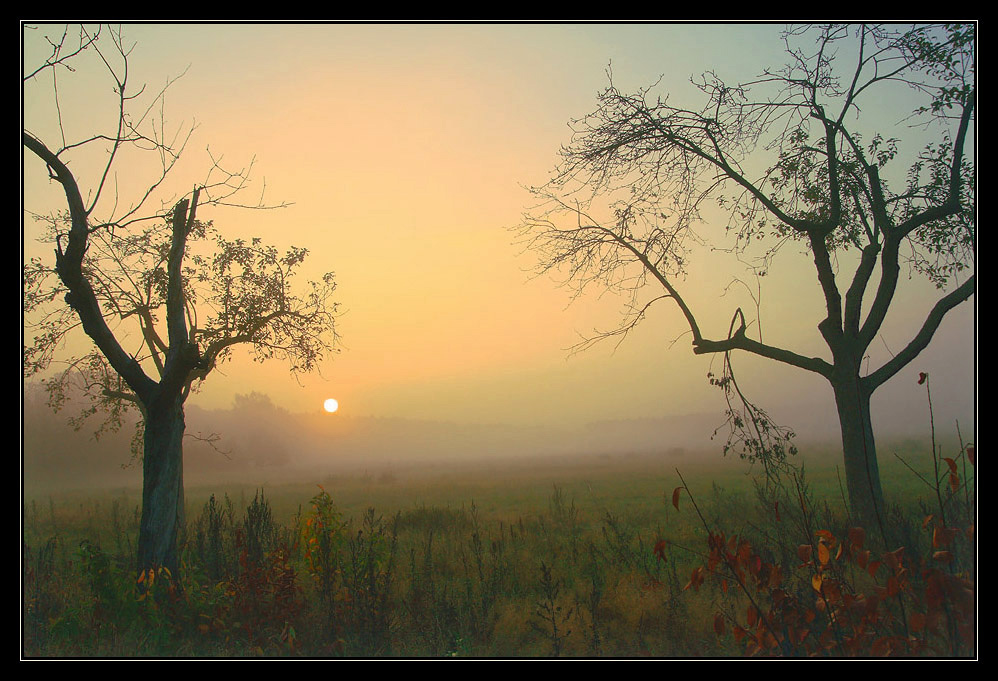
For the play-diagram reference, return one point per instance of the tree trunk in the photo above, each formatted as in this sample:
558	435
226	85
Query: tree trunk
162	484
859	451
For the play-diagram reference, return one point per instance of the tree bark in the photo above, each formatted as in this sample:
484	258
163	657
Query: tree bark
866	497
162	484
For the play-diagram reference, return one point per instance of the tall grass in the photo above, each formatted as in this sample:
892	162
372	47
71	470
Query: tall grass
596	564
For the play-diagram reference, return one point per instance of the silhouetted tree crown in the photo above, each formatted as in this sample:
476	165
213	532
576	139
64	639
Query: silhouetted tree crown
797	155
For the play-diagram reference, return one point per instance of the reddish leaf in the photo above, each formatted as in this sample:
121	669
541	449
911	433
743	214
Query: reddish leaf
713	560
804	553
921	377
892	586
659	549
830	588
769	639
971	454
894	558
857	535
718	624
776	507
823	554
933	591
872	601
775	577
951	463
675	497
941	536
752	616
943	556
696	579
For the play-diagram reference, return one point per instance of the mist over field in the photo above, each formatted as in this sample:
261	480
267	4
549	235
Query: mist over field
257	442
451	351
370	340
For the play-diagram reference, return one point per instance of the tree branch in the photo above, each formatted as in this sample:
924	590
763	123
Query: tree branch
952	204
724	166
153	341
58	58
739	341
854	296
69	265
183	219
831	326
924	335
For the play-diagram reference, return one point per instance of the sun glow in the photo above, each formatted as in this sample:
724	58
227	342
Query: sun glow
330	405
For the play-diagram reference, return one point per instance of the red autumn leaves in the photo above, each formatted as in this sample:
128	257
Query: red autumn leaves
842	617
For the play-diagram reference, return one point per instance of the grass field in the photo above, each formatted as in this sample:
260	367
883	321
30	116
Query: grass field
563	557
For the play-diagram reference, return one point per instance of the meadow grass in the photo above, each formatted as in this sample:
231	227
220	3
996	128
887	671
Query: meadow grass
578	558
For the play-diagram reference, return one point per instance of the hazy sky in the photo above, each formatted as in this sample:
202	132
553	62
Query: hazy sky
405	149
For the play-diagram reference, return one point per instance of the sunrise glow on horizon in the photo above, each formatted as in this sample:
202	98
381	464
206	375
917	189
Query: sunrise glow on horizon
404	151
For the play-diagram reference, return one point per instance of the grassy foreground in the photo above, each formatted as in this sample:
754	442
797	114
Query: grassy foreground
626	557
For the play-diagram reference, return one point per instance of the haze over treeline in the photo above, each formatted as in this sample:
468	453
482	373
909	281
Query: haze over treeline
444	332
256	441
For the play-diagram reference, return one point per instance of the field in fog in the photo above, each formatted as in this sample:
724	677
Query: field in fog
498	340
318	537
584	556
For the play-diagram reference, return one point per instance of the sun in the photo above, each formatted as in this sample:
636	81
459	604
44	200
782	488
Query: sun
330	405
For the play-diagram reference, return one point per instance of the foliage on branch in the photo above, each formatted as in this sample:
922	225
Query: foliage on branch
787	156
235	292
142	276
800	154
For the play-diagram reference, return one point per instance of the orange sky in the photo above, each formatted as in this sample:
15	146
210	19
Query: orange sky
404	149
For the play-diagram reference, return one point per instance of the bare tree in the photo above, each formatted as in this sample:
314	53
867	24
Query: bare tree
790	157
162	295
